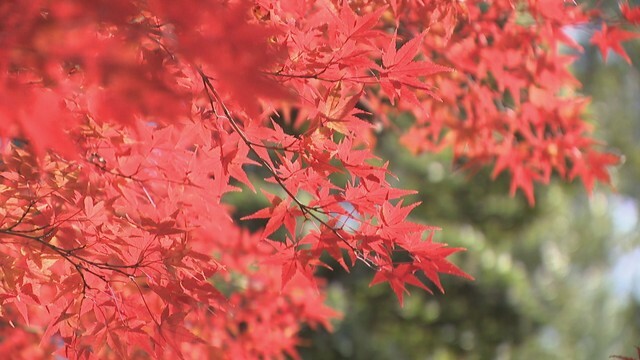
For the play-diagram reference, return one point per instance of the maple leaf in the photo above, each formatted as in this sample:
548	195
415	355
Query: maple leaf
397	277
399	69
277	214
94	211
430	257
359	27
631	14
393	220
611	38
593	166
339	111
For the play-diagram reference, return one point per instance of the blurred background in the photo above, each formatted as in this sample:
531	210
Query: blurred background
558	281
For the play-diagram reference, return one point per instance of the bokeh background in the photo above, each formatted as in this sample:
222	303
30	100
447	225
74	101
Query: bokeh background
557	281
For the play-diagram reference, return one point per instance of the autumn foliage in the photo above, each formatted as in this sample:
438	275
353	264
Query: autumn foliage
125	124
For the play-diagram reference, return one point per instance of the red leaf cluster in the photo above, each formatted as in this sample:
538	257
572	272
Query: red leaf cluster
126	125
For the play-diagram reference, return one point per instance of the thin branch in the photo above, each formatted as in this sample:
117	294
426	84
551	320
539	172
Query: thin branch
24	214
214	97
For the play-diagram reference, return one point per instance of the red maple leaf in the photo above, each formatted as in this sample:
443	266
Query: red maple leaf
612	38
400	72
397	277
631	14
